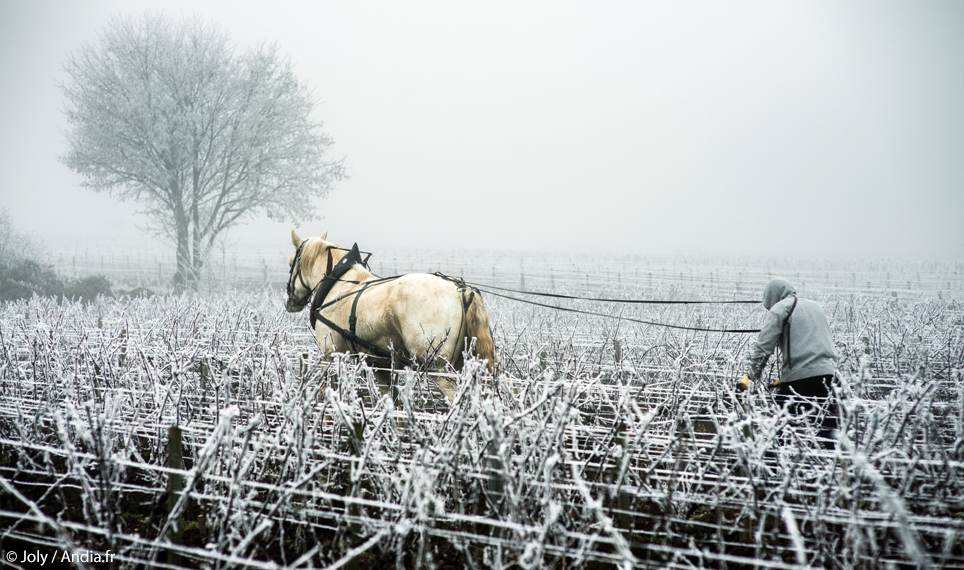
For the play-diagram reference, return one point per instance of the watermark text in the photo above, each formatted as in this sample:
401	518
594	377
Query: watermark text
41	558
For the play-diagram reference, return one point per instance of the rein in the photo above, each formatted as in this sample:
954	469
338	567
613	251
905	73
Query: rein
334	274
640	321
489	289
603	300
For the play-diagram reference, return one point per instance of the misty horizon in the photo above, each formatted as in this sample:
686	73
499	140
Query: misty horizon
800	129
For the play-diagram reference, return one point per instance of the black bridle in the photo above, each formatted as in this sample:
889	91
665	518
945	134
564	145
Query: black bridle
296	262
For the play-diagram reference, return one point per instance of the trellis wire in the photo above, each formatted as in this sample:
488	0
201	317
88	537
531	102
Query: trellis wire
275	466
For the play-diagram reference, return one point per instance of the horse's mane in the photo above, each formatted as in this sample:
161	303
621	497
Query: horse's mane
313	249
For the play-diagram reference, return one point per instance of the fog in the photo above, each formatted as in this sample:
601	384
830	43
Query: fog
744	128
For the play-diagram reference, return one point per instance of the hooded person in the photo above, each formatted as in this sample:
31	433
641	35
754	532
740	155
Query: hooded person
799	328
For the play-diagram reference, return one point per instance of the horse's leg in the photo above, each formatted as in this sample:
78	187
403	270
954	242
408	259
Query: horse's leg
447	387
325	342
383	378
446	377
430	359
432	335
385	370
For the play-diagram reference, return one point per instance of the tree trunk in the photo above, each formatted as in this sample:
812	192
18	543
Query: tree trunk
182	234
197	250
184	270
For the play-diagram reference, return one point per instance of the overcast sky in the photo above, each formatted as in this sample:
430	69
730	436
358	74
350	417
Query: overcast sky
802	128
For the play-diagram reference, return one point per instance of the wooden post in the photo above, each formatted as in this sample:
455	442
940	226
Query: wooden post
123	349
175	484
746	531
625	520
355	447
354	510
496	483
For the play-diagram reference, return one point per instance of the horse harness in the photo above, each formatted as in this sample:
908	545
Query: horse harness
296	263
334	274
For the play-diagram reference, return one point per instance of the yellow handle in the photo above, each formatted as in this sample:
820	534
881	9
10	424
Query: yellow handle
743	383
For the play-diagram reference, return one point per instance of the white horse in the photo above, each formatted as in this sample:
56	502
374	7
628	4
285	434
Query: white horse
418	319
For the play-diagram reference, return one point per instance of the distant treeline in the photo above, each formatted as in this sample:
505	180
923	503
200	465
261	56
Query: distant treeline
24	274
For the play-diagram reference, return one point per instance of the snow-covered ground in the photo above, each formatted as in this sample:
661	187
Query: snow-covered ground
600	441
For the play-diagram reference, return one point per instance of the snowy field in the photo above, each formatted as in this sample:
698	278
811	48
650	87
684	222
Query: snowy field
603	442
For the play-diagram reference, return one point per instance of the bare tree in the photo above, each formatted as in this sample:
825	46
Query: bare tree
165	113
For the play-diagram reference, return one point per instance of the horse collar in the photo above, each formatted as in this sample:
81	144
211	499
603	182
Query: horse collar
347	262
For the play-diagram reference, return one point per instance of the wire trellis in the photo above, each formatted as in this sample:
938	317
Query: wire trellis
598	444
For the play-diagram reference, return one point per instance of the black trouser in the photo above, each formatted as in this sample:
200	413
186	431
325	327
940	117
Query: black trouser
814	397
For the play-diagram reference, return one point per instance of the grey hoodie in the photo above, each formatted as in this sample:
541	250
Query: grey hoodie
810	352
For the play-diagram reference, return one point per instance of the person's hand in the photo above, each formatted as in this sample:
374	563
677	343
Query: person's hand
743	383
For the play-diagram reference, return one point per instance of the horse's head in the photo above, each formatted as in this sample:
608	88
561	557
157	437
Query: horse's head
305	273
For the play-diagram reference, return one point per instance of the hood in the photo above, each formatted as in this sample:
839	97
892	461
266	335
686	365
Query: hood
776	291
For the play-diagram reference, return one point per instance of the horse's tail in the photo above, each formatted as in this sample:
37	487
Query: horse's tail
477	322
